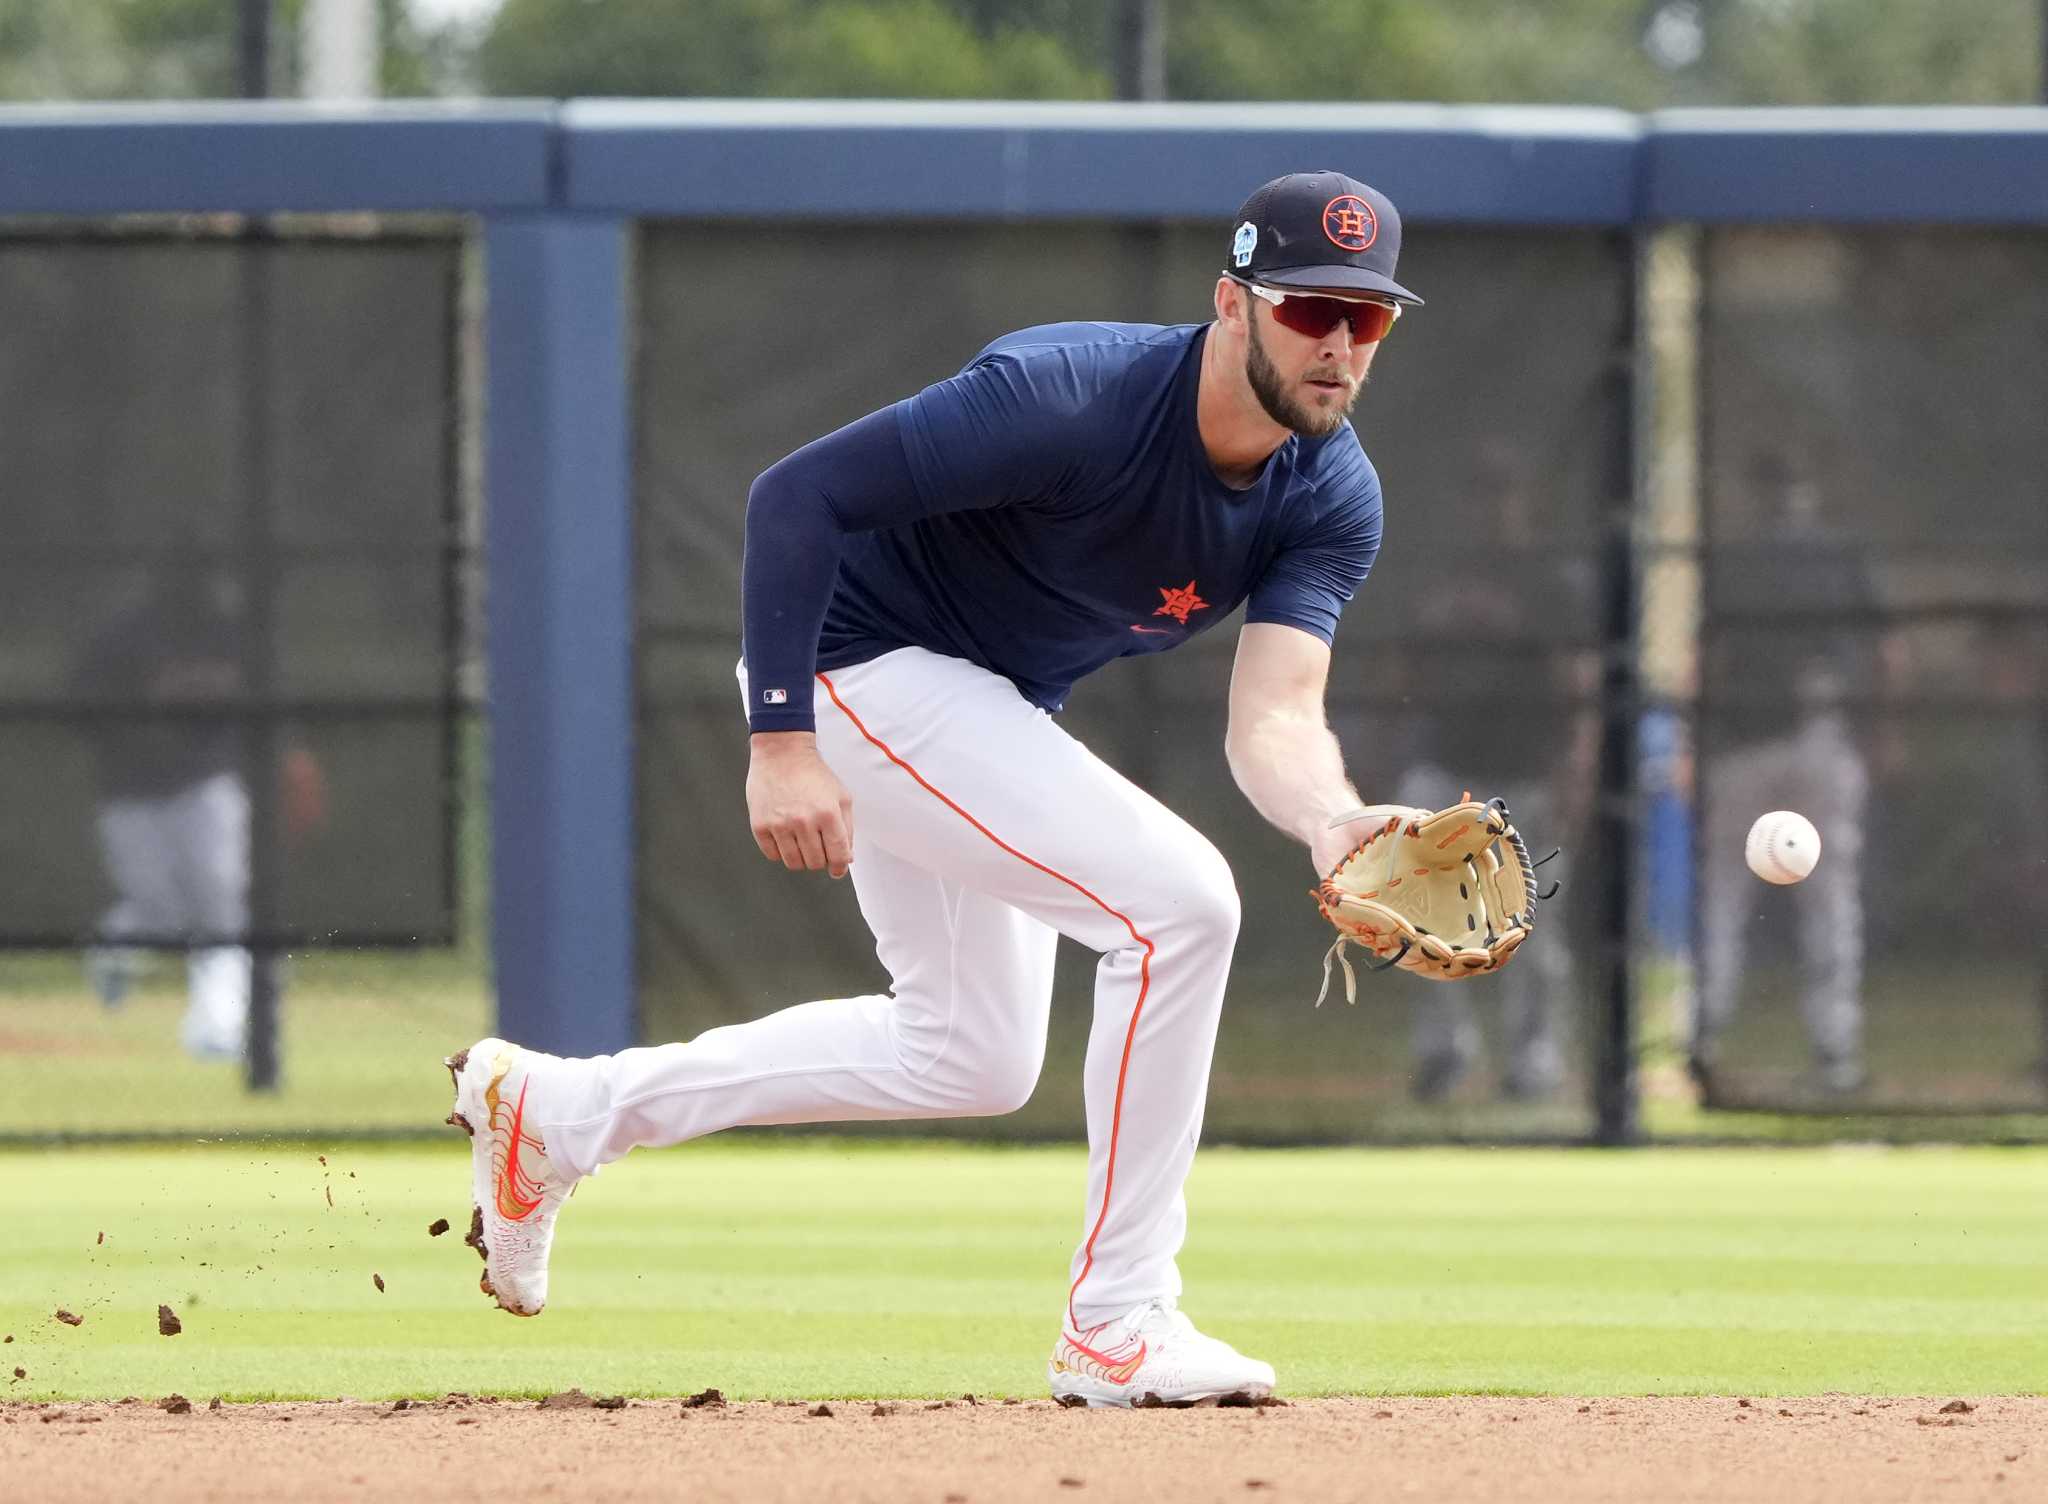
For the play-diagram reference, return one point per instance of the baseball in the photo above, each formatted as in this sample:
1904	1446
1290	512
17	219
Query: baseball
1782	846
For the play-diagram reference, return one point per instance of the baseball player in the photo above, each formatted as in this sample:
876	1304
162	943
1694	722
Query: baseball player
173	813
921	591
1781	738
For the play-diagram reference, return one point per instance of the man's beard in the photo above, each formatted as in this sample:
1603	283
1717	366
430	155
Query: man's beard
1286	410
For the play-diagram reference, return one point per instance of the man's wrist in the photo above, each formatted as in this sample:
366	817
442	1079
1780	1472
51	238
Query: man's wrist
1328	811
783	743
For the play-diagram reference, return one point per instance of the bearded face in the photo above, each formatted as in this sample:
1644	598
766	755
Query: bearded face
1313	401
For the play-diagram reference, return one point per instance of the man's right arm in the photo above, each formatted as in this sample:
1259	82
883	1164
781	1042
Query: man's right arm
798	515
979	439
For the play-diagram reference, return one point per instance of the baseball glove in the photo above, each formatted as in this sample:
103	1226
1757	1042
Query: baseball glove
1446	894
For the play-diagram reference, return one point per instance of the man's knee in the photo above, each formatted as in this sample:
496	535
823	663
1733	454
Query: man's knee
972	1057
1002	1084
1200	897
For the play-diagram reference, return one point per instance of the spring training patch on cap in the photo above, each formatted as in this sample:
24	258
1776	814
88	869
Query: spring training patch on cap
1243	244
1350	223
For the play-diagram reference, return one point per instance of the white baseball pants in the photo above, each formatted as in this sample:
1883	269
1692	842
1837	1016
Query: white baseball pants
981	832
180	864
1820	772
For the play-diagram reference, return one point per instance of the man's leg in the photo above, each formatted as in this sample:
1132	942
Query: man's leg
965	778
975	783
961	1033
1737	784
137	856
1831	907
210	825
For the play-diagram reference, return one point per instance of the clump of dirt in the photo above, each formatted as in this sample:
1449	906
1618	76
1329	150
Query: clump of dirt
568	1399
176	1404
436	1227
378	1280
20	1373
167	1322
1957	1407
821	1410
69	1319
709	1399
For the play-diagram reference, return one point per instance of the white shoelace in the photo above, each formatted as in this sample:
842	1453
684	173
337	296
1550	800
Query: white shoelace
1159	1321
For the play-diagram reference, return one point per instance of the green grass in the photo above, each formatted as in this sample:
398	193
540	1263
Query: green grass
362	1034
813	1267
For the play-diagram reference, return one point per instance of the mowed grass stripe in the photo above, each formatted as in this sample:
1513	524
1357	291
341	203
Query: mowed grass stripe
790	1267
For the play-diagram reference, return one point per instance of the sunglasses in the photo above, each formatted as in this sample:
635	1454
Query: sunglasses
1316	314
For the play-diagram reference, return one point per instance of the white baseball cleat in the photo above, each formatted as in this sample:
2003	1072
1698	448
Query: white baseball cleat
516	1189
1152	1355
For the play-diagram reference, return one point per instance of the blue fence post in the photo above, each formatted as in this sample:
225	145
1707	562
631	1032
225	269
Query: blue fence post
558	541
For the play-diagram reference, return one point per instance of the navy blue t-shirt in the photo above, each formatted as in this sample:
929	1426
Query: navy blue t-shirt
1045	511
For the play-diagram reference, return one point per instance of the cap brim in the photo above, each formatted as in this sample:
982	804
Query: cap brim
1336	279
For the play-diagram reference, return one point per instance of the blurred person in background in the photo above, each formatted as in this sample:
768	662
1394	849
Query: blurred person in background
173	809
1529	617
1793	650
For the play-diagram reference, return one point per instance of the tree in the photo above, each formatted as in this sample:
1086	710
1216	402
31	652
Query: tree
800	48
1502	51
1807	52
174	49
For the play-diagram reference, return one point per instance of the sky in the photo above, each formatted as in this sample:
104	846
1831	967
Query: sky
435	12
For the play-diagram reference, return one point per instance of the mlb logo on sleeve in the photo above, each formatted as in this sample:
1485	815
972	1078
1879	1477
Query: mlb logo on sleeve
774	697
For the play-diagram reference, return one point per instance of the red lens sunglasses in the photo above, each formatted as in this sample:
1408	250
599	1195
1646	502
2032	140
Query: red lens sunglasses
1316	314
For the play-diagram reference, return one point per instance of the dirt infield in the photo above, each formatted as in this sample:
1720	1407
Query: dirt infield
459	1449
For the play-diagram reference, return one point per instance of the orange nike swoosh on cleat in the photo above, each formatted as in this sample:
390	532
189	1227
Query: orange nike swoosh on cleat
512	1205
1114	1370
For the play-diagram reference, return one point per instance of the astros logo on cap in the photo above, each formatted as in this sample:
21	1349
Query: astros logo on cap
1350	223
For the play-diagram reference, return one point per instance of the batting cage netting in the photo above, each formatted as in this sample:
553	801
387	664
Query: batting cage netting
1500	434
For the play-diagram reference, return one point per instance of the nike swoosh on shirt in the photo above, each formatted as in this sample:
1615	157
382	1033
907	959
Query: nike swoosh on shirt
1150	631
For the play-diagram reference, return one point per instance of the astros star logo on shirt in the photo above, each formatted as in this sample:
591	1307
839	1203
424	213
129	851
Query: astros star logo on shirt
1181	602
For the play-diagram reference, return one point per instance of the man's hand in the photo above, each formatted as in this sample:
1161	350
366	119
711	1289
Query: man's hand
801	815
301	794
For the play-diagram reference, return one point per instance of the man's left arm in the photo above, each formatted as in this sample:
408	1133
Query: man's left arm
1280	747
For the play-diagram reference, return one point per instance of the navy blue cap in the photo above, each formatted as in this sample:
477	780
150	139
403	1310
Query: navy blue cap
1319	229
